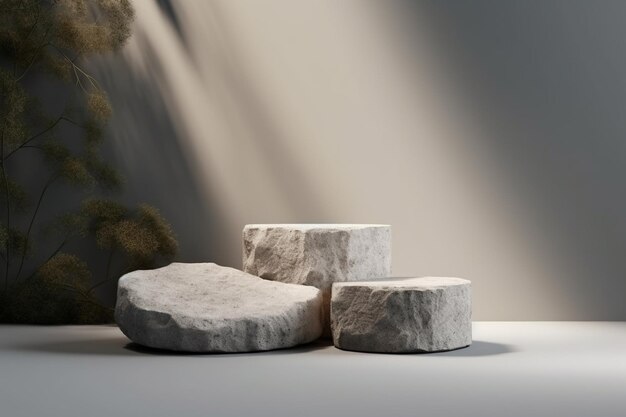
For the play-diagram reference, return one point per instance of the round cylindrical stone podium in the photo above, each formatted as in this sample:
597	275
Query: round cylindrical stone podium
317	254
402	315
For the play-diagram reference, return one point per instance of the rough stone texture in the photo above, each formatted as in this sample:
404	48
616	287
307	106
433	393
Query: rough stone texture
317	254
402	315
205	307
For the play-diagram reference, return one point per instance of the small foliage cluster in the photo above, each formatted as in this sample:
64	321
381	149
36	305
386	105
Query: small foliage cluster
42	39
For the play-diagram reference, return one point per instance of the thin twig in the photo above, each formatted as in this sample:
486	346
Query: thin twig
32	146
89	77
52	126
32	61
32	221
56	251
107	278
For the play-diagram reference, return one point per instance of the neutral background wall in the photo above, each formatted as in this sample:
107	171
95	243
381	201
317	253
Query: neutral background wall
490	134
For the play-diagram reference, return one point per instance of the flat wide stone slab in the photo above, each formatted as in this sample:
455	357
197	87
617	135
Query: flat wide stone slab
402	315
205	307
317	254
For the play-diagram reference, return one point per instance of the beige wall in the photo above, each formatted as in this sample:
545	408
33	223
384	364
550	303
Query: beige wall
235	112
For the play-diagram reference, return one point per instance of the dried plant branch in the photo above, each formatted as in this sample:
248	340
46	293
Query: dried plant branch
51	37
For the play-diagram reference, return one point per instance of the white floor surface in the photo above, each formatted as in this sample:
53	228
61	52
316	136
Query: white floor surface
512	369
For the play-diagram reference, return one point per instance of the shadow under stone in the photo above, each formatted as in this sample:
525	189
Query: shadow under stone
478	348
309	347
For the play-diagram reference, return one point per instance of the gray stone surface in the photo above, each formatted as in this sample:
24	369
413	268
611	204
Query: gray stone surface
205	307
402	315
317	254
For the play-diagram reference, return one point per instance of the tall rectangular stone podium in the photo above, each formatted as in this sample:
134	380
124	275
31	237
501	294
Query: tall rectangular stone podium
317	254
